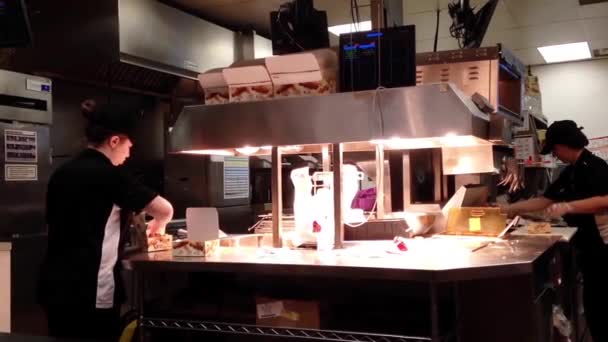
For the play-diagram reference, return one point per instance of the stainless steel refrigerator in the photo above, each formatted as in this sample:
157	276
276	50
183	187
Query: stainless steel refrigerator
25	163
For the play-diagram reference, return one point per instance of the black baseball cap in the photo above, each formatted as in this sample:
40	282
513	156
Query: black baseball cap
116	118
565	132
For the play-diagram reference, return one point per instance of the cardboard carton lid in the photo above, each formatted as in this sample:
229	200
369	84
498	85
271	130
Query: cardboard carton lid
202	223
292	63
300	77
246	75
212	79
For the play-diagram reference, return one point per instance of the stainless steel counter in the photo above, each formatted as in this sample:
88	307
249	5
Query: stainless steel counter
433	259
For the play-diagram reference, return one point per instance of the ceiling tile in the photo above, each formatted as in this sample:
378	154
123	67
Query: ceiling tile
540	12
425	24
502	18
598	44
535	36
596	28
521	25
443	44
419	6
338	11
593	11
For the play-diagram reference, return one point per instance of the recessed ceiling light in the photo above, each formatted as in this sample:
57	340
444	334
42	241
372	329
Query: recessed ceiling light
565	52
348	28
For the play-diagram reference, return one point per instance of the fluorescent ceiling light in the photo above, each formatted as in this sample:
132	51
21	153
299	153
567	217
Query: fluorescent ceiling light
348	28
565	52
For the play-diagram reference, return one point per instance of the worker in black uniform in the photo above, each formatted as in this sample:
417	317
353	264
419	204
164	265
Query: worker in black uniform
80	287
586	176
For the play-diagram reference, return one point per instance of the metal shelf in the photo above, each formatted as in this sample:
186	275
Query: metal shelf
254	330
510	115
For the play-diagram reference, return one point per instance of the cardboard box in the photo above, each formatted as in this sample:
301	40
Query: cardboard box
476	221
245	240
287	313
297	75
214	87
251	83
203	234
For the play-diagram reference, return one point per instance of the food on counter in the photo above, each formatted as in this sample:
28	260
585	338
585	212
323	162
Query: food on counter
539	228
159	242
188	248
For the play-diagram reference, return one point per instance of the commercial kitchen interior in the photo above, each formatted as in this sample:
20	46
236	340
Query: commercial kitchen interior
462	121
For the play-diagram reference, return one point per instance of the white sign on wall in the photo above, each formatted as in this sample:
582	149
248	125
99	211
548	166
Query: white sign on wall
599	147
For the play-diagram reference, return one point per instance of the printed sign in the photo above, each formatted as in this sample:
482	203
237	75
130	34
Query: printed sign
20	146
524	148
236	177
36	85
269	310
19	172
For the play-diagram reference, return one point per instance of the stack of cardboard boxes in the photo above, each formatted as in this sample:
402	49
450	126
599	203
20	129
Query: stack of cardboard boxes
311	73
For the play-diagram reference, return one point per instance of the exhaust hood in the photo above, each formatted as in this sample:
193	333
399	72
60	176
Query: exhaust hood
160	37
138	44
435	115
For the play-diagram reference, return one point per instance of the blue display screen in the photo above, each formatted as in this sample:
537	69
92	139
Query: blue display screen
371	45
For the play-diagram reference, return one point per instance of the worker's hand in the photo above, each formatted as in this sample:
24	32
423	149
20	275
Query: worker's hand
558	209
506	209
155	228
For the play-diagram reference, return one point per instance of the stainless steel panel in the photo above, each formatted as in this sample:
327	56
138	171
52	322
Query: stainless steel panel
15	84
176	42
22	203
410	112
337	157
277	200
407	181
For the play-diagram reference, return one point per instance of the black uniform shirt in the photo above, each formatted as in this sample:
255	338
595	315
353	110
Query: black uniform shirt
84	200
587	177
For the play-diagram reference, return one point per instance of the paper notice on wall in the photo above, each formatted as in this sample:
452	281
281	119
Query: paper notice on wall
20	172
599	147
524	148
20	146
236	177
269	310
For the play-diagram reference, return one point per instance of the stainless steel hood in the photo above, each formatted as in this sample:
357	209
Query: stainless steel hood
135	44
160	37
422	112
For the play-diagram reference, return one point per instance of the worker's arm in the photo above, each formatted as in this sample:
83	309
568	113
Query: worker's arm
132	195
591	205
162	212
531	205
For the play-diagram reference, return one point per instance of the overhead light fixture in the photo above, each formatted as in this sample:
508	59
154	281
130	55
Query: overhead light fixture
291	149
565	52
247	150
348	28
210	152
